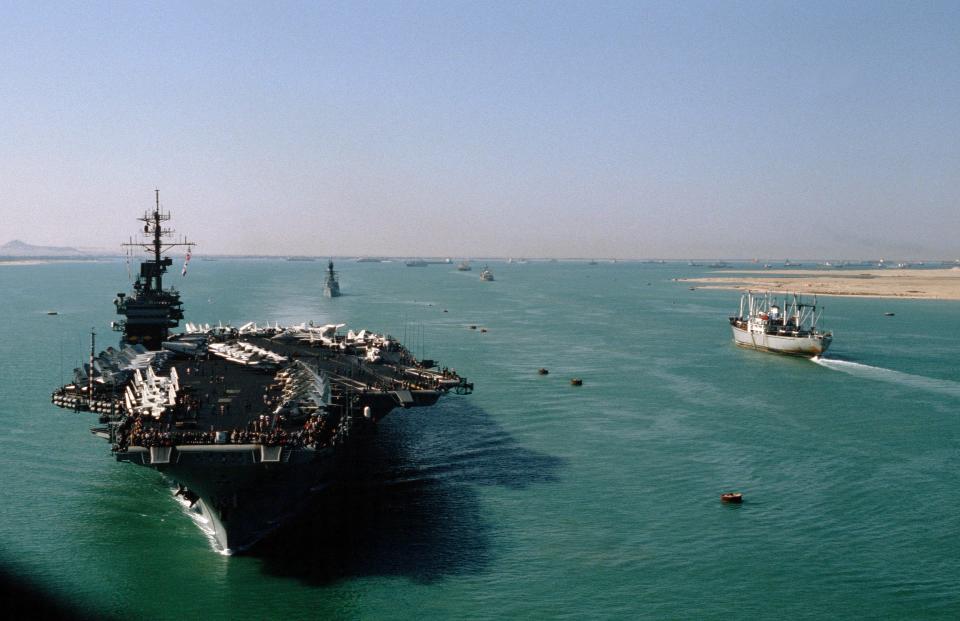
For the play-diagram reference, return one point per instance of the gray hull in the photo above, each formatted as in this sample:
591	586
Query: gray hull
242	495
808	346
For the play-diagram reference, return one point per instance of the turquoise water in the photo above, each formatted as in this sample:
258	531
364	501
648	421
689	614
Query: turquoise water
530	498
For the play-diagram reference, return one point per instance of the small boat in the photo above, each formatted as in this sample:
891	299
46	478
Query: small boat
543	371
464	267
791	328
576	381
52	312
486	275
417	263
885	314
732	497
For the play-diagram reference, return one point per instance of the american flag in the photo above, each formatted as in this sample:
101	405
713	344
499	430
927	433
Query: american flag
186	261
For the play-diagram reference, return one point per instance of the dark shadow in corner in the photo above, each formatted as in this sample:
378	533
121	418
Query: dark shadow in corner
405	501
24	599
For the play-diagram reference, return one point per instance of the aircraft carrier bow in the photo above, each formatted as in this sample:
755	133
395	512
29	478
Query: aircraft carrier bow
248	420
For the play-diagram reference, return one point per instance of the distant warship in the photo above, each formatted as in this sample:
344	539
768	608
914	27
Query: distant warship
246	421
331	286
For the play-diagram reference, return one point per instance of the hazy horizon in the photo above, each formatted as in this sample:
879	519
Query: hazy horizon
612	130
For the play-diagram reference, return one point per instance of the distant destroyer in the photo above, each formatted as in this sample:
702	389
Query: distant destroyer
790	328
245	421
331	286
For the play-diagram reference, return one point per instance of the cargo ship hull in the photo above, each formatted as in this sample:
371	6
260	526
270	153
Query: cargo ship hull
807	346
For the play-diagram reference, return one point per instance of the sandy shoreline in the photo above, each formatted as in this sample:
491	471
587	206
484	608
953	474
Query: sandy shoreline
46	261
938	284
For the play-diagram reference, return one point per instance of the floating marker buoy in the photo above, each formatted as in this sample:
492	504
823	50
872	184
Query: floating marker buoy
542	371
444	310
576	382
732	497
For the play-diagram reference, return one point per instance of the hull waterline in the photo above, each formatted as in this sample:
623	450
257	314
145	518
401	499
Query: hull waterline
805	346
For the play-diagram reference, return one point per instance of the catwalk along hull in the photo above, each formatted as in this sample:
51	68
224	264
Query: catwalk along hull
245	491
808	346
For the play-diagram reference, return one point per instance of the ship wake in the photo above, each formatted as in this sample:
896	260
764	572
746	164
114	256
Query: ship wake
866	371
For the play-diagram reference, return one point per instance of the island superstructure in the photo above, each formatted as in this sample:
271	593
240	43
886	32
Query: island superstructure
245	421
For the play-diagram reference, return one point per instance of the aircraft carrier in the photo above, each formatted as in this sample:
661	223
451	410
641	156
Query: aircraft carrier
246	422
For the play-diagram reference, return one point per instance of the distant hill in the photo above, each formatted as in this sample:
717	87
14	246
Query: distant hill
17	248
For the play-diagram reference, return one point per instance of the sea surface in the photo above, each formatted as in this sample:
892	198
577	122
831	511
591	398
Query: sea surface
531	498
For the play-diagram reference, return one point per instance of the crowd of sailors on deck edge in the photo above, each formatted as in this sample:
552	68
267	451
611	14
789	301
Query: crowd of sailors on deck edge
316	431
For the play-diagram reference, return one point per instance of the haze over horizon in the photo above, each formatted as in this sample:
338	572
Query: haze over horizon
622	130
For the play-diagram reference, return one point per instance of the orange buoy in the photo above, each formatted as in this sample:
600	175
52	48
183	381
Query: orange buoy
732	497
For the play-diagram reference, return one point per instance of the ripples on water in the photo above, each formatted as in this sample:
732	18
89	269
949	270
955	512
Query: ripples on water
530	498
918	382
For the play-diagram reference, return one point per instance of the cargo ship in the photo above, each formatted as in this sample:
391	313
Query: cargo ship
787	327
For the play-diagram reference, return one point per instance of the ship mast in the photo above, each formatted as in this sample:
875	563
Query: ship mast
156	237
93	353
151	311
152	270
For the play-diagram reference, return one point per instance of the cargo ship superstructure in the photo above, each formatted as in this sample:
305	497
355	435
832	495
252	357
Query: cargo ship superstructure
790	328
244	421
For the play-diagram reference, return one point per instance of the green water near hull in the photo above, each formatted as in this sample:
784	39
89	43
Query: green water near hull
530	498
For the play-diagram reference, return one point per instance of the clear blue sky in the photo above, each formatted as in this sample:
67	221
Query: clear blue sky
675	130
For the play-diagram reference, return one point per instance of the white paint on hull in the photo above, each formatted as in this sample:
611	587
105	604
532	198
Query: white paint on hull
811	345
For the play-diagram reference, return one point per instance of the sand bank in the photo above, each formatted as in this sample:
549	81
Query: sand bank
939	284
23	262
